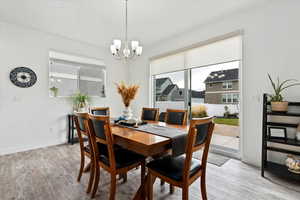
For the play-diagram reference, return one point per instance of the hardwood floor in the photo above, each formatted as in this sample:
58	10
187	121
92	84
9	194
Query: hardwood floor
50	174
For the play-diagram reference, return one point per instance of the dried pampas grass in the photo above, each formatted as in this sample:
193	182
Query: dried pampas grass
127	92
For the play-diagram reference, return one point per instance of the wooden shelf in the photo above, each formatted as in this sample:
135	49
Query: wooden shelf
281	171
288	114
283	141
282	124
283	150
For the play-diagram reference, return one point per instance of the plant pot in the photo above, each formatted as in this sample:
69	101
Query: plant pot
279	106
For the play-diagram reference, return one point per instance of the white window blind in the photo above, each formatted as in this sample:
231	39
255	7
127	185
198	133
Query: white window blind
218	52
167	64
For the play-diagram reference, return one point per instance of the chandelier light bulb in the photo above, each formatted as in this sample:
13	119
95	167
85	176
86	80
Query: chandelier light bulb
134	45
117	44
139	50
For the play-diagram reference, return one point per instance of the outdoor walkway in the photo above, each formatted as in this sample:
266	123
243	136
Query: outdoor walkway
226	136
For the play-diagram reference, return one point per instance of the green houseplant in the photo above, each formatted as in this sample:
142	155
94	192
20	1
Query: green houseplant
54	90
277	103
80	102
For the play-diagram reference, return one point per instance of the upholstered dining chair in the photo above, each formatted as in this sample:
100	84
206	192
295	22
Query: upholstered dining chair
178	117
100	111
183	170
85	150
162	117
113	160
150	114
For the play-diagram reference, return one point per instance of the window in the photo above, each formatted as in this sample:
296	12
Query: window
230	98
67	78
227	85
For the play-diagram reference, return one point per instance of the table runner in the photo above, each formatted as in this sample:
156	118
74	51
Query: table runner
177	136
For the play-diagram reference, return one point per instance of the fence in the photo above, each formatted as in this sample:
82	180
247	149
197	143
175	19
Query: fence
212	109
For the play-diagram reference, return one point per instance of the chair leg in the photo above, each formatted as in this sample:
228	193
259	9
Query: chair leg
113	184
150	183
172	188
81	167
143	171
185	192
96	181
91	179
203	187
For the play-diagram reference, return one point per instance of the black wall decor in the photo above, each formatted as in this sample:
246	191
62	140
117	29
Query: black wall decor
23	77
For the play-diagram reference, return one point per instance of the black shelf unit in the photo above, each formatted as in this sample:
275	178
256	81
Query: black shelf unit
277	169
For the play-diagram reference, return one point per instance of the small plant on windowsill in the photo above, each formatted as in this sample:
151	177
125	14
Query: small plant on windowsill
277	103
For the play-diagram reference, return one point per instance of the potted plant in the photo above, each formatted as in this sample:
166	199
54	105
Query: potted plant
54	90
80	102
128	93
277	103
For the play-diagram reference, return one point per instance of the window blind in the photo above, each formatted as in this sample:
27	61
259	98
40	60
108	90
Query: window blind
217	52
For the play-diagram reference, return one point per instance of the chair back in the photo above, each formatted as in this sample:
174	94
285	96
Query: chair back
79	119
100	131
162	117
150	114
178	117
199	137
100	111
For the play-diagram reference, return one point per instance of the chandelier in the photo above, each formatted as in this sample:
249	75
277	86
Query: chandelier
127	52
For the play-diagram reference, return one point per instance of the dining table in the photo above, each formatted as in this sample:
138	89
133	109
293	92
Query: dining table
144	143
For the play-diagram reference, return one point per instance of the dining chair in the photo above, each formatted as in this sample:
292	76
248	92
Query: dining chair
113	160
178	117
183	170
100	111
162	117
150	114
85	150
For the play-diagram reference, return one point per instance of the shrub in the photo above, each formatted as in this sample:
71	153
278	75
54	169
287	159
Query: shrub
199	111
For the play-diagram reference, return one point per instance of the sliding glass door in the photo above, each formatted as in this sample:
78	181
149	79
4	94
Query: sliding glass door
215	92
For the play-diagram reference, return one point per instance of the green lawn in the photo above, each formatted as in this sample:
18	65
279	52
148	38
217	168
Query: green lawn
232	122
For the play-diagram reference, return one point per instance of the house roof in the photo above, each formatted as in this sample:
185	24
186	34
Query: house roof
169	89
160	81
223	75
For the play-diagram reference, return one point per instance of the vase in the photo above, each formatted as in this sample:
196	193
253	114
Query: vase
127	113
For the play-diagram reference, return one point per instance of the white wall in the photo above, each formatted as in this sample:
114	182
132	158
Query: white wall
29	117
271	45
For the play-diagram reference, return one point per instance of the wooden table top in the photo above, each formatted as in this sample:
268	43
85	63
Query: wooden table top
141	142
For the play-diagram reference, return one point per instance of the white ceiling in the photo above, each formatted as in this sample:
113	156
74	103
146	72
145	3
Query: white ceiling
99	21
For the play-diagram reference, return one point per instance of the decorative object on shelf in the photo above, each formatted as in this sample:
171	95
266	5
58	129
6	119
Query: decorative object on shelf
80	102
293	164
115	48
23	77
54	91
128	93
277	103
278	133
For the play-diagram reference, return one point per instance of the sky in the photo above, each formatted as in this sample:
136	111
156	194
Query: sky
198	75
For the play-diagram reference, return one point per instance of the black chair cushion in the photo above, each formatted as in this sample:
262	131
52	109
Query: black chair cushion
162	116
99	128
149	115
175	118
123	157
99	112
202	131
172	167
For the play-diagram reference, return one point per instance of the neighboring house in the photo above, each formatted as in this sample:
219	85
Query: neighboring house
160	85
167	91
222	87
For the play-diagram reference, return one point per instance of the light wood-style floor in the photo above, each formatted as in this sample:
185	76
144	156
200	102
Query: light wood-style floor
50	174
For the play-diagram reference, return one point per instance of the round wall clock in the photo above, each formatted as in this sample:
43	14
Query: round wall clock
23	77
